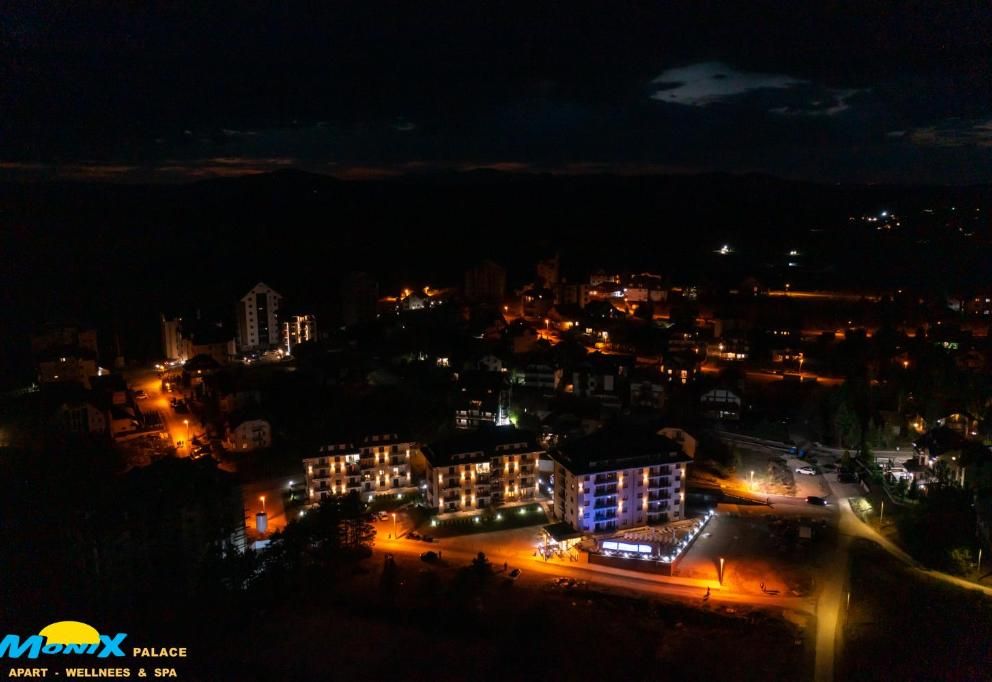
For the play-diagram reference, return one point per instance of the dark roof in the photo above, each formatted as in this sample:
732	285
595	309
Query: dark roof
200	362
54	395
939	440
483	444
108	382
478	382
68	351
246	415
619	446
560	532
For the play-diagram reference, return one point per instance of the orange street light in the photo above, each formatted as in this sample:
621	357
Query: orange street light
394	524
262	498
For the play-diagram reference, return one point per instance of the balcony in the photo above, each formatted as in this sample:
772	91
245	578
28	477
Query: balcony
603	490
655	497
605	478
609	502
605	515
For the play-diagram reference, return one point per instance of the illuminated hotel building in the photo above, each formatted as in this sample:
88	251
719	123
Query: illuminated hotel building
492	466
298	329
257	315
377	464
619	477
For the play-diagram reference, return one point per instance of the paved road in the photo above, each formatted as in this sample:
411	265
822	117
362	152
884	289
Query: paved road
158	400
516	549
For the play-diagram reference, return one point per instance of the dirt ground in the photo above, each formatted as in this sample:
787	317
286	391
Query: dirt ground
425	623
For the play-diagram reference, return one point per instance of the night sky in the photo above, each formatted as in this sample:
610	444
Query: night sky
827	91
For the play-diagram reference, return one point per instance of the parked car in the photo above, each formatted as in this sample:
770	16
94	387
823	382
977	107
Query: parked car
140	394
428	538
413	535
429	557
514	574
806	471
847	477
819	501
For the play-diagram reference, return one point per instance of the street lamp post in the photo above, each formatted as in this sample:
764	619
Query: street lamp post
262	499
721	570
188	444
752	480
394	525
881	514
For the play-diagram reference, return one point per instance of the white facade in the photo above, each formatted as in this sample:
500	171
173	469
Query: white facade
81	418
258	318
172	339
251	434
606	500
378	465
476	471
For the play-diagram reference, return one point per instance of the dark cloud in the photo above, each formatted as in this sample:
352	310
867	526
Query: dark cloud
819	91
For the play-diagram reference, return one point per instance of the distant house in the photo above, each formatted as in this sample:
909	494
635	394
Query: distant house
112	387
490	363
61	364
647	389
968	462
123	420
537	302
687	442
482	398
523	337
731	346
680	368
246	433
603	377
644	287
414	301
78	411
539	375
80	416
486	282
721	403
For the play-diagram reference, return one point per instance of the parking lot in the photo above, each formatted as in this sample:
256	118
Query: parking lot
760	548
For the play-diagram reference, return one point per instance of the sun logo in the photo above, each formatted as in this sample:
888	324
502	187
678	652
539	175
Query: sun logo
63	637
70	632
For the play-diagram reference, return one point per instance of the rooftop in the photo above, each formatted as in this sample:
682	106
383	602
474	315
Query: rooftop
619	446
482	444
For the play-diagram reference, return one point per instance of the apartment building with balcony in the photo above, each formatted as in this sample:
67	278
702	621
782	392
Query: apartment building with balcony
490	467
620	476
482	399
371	464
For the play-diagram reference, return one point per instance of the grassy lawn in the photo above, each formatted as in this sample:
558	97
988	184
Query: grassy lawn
391	502
903	625
501	520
